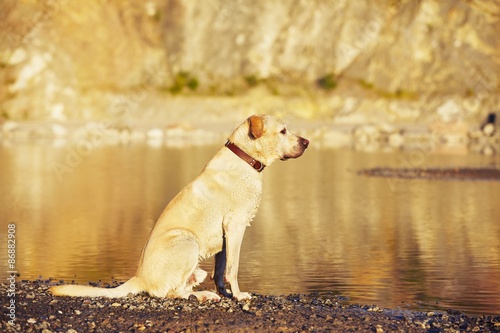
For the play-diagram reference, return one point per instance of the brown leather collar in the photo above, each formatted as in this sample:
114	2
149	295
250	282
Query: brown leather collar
259	166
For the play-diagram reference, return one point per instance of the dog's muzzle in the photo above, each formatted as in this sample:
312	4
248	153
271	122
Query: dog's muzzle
303	144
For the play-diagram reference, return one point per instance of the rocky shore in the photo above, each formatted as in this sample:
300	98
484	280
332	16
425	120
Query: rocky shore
36	310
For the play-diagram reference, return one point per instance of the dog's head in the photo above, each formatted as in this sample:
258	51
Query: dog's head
267	139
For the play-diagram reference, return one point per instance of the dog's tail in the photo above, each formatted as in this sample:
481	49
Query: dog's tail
132	286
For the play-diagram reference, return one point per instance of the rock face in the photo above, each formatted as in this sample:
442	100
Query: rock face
349	60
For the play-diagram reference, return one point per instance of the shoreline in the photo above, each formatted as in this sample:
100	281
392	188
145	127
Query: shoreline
326	133
36	310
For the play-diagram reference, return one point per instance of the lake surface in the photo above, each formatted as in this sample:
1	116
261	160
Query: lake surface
320	227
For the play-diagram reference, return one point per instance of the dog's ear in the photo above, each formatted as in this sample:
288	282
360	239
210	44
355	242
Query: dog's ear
256	125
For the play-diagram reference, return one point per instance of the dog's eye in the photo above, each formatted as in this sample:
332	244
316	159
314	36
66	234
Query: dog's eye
283	131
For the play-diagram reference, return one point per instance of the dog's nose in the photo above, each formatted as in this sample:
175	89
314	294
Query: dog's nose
304	142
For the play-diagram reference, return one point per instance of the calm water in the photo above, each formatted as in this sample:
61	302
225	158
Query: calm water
320	227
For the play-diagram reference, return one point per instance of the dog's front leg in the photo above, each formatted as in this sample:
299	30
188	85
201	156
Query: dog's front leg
234	238
220	269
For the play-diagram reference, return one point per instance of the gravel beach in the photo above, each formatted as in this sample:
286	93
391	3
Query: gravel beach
36	310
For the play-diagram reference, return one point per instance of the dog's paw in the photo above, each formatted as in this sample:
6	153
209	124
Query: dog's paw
204	296
242	296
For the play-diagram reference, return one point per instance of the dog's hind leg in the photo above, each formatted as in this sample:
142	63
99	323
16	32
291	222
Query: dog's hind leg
169	266
195	279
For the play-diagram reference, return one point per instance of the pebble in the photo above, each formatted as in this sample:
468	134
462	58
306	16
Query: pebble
288	313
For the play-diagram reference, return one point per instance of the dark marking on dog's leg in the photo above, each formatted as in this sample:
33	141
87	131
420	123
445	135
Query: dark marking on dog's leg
220	269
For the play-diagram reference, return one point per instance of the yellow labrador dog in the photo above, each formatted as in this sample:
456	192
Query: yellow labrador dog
208	216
